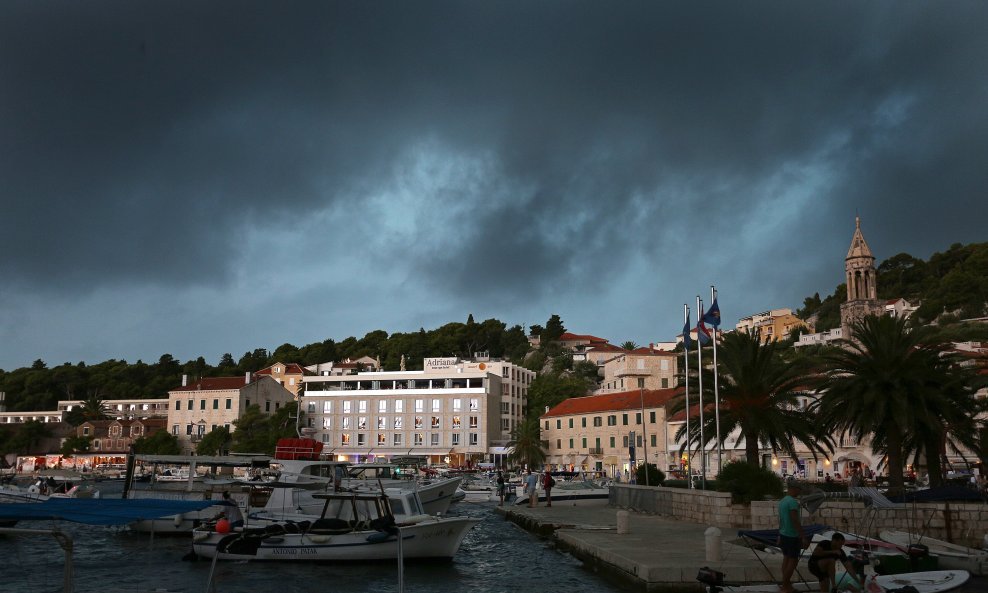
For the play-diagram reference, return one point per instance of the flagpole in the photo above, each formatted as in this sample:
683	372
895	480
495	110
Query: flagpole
686	362
699	369
720	447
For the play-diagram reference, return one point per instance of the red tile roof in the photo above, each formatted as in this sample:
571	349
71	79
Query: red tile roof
626	400
153	422
291	368
605	348
214	384
651	352
568	337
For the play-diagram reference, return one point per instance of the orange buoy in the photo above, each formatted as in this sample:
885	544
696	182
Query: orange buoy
223	526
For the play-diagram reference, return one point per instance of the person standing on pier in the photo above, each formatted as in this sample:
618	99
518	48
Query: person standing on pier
792	540
500	487
547	483
531	484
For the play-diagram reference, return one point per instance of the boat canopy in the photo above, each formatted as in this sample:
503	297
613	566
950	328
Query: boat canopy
771	536
100	511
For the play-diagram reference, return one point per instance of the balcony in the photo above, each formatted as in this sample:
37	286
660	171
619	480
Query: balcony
631	372
597	451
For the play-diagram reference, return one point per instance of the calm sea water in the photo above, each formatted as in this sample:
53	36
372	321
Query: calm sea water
495	557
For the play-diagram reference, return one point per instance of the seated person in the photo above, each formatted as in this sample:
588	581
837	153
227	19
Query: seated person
232	512
823	565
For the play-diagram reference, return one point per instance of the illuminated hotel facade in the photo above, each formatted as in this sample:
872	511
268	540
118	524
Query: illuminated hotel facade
452	411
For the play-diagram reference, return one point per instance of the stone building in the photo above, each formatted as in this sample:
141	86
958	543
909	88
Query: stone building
862	284
642	368
196	408
594	433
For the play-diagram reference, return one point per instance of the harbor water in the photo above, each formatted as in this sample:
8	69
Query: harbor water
495	557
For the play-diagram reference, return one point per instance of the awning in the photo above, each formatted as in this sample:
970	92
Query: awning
853	456
101	511
610	460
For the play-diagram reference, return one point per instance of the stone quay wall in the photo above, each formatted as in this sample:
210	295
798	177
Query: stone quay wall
962	523
705	507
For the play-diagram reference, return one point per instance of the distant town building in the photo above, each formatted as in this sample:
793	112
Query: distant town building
288	375
642	368
771	326
819	338
123	408
116	436
346	367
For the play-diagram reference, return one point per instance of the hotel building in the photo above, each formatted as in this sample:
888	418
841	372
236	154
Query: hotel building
452	411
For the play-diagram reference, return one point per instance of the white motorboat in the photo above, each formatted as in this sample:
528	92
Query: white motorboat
299	461
478	490
952	556
573	492
183	486
353	526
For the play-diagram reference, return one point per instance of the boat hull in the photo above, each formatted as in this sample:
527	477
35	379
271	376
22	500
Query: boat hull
936	581
952	556
433	538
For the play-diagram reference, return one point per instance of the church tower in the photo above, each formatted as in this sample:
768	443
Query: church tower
862	288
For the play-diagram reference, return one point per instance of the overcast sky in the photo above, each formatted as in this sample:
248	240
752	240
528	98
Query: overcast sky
195	178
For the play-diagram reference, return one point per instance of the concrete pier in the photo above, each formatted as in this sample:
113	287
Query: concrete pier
657	553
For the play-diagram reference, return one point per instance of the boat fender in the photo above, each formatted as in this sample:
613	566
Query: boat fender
199	536
177	521
378	537
318	539
415	519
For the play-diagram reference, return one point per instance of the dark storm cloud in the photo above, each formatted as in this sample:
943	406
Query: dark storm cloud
146	142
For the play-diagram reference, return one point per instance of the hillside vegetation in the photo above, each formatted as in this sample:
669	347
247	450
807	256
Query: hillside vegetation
950	286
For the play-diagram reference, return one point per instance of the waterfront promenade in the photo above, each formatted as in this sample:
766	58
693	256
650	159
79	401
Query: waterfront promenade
657	554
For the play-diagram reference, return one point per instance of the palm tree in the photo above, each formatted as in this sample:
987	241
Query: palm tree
947	416
93	407
891	383
759	393
629	345
526	445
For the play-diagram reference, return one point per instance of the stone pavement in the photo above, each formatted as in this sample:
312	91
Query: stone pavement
657	553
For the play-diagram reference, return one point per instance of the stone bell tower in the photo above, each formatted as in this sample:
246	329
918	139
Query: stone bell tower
862	287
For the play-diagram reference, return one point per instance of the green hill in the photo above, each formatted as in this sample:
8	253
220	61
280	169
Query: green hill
950	286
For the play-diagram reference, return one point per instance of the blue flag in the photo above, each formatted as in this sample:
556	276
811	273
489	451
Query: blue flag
713	315
687	341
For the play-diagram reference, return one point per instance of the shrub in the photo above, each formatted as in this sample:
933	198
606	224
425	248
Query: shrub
655	475
748	482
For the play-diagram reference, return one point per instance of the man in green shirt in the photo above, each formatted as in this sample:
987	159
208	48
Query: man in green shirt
792	539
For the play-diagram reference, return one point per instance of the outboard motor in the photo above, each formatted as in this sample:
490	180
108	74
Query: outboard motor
859	559
917	553
713	579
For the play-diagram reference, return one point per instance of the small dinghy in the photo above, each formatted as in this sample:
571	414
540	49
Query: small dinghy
952	556
935	581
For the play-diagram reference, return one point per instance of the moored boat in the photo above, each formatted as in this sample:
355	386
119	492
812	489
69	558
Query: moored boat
353	526
936	581
573	492
952	556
